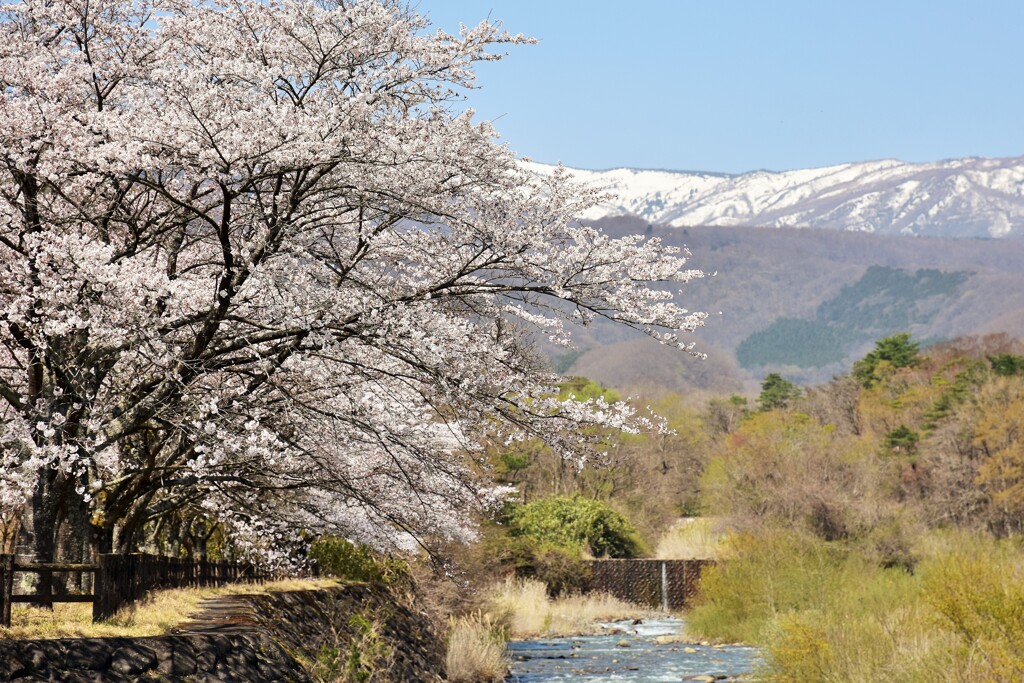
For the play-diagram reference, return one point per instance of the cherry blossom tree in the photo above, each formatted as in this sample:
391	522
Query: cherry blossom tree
254	263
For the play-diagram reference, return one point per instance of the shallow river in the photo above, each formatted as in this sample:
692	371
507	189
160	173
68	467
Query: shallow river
626	653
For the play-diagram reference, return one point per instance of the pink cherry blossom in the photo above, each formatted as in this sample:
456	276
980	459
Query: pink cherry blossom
254	265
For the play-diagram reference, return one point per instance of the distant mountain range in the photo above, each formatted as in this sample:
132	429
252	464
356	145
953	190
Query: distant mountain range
960	198
806	303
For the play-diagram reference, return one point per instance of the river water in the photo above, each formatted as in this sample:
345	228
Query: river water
627	653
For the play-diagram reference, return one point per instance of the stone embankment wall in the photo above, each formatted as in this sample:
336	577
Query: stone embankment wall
235	657
275	637
666	584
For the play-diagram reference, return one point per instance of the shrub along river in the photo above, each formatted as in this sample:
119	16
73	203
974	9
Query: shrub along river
631	652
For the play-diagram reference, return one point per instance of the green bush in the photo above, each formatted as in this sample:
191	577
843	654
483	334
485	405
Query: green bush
562	569
347	561
576	523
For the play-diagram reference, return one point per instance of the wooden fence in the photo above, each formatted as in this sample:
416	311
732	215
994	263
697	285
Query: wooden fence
119	580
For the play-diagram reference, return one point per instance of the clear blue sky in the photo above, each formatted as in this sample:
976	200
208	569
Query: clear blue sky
723	85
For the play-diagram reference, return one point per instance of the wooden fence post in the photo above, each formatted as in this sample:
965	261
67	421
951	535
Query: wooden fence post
103	601
141	575
6	588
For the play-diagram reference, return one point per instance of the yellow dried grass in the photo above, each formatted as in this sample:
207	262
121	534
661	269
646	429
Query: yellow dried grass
525	605
691	538
156	615
476	650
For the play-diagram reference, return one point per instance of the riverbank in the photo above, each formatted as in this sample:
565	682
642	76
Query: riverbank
628	652
529	611
352	630
519	609
578	636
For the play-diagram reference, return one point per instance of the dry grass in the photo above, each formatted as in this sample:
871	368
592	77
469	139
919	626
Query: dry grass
691	538
476	650
529	612
158	614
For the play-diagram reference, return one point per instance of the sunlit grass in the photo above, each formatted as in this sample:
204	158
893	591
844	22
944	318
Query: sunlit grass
692	538
157	615
827	612
476	650
529	611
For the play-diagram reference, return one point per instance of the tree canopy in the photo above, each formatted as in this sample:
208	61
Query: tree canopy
777	392
255	268
898	351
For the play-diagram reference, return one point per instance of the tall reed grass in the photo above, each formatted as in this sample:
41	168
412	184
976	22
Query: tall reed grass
825	612
525	606
476	650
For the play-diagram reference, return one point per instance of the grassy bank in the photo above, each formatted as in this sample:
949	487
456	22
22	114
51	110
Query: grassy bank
824	612
519	609
156	615
529	612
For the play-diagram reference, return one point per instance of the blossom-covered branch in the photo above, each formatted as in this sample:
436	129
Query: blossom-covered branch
252	264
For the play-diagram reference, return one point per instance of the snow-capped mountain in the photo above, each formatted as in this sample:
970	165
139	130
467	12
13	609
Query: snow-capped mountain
971	197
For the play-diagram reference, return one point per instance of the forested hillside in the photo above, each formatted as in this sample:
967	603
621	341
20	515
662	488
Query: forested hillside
881	302
807	303
872	523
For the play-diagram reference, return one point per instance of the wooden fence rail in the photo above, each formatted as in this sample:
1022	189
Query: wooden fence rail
119	580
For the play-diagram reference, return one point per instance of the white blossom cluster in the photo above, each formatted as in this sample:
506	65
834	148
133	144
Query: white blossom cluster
251	264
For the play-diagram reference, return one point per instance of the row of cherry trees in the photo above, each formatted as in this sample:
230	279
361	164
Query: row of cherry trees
256	266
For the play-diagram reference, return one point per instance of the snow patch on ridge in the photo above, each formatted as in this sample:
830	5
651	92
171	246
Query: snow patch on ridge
971	197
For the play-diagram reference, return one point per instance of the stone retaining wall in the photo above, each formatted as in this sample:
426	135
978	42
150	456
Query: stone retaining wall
325	624
274	637
668	584
235	657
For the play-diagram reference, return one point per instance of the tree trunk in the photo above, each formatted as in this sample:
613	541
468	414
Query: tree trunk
47	499
101	538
